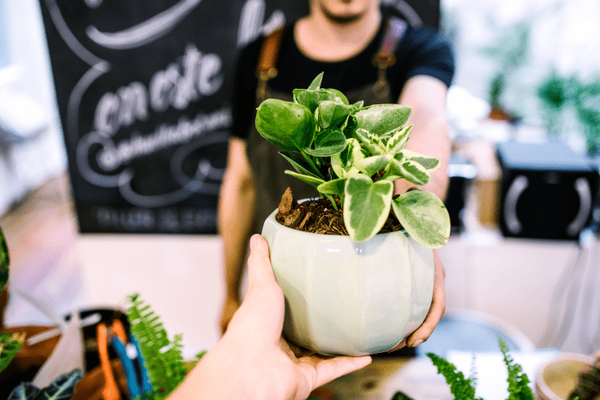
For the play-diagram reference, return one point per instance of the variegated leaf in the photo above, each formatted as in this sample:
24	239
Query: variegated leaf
335	186
366	206
424	216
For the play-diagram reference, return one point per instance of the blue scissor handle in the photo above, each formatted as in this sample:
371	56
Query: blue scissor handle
130	375
146	385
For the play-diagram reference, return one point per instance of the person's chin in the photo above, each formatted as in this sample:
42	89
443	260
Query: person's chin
341	18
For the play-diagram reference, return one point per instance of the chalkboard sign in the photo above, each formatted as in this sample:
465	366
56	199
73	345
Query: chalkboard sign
142	89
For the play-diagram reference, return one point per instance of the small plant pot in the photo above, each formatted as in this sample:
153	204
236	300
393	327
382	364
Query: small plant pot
557	378
347	298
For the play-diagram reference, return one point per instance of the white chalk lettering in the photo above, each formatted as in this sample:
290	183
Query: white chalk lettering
180	83
112	156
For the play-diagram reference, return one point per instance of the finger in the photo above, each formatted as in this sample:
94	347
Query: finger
437	308
260	271
399	346
332	368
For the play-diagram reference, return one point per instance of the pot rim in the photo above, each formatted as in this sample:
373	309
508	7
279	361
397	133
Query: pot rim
541	384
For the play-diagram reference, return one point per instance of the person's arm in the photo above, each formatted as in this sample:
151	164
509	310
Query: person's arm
252	360
426	96
235	220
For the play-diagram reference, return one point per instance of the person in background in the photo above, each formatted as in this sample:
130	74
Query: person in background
344	39
252	360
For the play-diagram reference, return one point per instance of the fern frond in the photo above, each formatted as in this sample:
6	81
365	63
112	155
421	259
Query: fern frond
461	387
518	382
162	358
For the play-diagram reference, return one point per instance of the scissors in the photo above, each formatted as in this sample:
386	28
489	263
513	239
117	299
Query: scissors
129	355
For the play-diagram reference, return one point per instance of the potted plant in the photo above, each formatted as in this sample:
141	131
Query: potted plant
358	291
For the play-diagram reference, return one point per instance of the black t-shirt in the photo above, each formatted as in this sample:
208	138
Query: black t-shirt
421	51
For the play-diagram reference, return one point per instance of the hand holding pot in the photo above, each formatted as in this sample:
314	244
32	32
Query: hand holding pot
436	311
252	360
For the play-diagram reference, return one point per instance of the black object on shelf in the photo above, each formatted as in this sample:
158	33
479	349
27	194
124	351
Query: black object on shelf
461	173
548	191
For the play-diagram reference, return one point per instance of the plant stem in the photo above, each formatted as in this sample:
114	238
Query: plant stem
312	164
330	197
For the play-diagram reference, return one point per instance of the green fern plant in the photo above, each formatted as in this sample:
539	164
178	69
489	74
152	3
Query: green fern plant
162	357
10	344
463	388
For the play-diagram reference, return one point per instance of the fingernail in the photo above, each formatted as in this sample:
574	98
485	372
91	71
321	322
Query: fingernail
253	241
416	343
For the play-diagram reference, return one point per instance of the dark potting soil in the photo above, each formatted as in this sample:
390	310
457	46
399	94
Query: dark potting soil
319	216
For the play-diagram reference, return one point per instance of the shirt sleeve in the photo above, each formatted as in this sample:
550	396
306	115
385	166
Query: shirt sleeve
427	52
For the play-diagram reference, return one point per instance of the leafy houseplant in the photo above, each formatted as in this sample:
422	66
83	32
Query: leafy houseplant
356	153
363	292
10	344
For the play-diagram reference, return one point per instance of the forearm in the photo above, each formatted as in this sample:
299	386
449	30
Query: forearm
429	137
235	218
426	96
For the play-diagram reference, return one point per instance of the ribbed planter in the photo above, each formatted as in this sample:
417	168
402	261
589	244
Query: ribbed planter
347	298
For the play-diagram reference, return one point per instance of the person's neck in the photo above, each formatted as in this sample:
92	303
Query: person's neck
321	39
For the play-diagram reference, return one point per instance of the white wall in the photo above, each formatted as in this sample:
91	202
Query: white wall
24	166
565	35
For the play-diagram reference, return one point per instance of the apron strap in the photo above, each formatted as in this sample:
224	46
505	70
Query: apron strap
267	60
385	56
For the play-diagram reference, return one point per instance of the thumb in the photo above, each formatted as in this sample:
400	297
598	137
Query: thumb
260	271
332	368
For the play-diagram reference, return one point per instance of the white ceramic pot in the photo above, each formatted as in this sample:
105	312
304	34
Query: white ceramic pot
557	378
347	298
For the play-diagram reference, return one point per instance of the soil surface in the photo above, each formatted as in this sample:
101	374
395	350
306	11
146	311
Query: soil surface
319	216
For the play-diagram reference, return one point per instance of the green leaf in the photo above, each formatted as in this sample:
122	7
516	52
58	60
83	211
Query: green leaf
409	170
25	391
429	163
62	388
398	140
316	83
335	186
327	143
10	344
4	262
299	163
288	125
371	143
380	119
310	179
371	165
339	96
366	206
343	163
424	216
332	113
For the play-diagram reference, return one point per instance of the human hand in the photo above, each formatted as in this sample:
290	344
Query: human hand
436	310
252	360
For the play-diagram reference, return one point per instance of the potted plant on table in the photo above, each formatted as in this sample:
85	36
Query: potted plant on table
355	290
